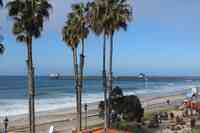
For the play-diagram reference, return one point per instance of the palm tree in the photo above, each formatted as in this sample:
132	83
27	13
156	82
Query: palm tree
96	12
107	16
28	21
118	14
71	37
79	10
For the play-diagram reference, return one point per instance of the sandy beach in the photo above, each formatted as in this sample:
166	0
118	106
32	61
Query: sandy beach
64	119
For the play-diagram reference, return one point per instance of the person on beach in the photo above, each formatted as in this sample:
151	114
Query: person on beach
168	101
52	129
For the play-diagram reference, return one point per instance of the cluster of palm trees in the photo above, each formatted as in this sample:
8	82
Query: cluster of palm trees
102	17
74	32
2	49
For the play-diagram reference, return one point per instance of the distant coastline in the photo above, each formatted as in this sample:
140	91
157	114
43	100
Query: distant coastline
119	77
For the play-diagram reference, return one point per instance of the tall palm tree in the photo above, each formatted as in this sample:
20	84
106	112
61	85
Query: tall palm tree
71	37
107	16
118	14
28	21
96	12
79	10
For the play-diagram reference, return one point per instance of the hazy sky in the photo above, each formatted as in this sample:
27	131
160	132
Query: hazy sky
163	39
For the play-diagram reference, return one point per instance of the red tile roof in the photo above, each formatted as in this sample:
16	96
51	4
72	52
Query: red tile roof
101	130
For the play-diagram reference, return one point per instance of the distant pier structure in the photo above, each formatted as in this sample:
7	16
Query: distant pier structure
54	76
145	78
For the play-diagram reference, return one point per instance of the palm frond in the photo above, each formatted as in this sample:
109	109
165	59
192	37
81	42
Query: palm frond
21	38
28	17
76	27
2	48
106	16
17	27
15	7
1	2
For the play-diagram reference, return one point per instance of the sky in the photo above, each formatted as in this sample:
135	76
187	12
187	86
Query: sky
163	39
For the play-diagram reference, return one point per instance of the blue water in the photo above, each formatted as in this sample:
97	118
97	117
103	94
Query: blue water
55	94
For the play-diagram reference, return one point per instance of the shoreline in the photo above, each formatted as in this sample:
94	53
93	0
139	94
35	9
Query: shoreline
94	105
64	118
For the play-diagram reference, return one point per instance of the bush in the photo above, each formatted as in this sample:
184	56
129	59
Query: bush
117	93
136	130
127	107
121	125
132	108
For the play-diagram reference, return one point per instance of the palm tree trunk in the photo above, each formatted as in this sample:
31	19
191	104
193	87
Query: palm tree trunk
82	62
77	88
1	2
105	85
110	77
31	86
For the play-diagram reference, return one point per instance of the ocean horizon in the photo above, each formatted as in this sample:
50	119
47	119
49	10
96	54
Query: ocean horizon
54	94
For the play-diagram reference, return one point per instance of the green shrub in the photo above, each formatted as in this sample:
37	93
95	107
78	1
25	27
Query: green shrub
121	125
117	93
132	108
136	130
128	107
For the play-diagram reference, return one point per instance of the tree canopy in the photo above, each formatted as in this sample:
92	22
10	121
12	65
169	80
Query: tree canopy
1	48
28	17
1	2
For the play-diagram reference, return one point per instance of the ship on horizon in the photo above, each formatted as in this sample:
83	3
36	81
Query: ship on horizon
54	76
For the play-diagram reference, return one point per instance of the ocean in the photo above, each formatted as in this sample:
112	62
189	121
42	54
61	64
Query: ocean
54	94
